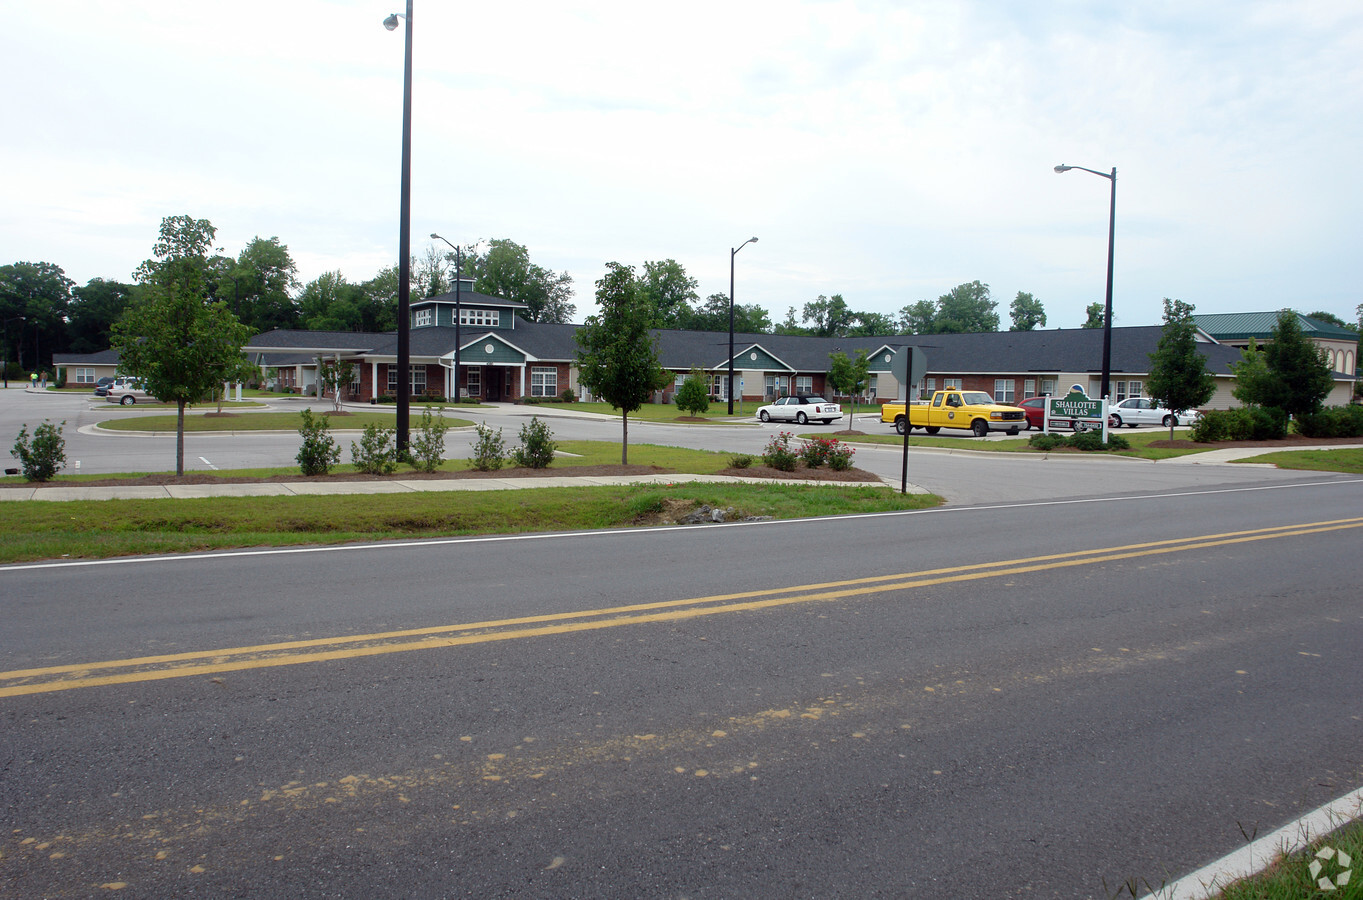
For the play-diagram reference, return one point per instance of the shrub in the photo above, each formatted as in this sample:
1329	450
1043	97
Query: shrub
537	446
1090	441
1046	441
376	453
778	454
44	455
319	451
820	450
741	461
428	446
1333	421
489	449
1249	423
840	457
567	396
694	395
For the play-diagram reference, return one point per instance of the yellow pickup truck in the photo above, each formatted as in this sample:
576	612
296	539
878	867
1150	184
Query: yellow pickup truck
973	411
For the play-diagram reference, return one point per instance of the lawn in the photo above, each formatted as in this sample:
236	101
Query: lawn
1348	461
1140	440
1291	878
35	529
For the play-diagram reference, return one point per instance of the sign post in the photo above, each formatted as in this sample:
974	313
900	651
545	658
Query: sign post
908	367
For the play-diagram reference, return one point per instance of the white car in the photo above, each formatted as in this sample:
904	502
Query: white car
1143	411
800	408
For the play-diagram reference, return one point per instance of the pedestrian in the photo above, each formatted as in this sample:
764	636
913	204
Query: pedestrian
43	382
33	379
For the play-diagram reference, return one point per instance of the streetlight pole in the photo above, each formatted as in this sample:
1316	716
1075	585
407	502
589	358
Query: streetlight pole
1111	235
458	271
732	254
4	364
404	363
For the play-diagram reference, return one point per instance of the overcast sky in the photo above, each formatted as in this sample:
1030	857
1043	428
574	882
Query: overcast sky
886	151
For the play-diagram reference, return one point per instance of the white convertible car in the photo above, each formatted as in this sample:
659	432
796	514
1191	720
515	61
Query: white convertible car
800	408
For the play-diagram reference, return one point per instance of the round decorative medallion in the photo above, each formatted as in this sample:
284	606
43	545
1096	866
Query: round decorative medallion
753	355
487	348
887	357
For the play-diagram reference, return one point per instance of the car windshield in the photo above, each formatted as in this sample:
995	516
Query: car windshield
976	398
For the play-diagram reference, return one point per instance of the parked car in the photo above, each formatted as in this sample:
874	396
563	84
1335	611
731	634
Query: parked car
1035	408
1143	411
126	392
102	385
800	408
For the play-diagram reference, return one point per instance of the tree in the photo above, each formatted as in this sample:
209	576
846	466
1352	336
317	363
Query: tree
966	308
1095	313
670	292
1299	377
1179	379
258	284
334	375
505	271
918	318
1027	312
830	316
40	293
789	325
178	342
694	395
849	377
93	311
617	355
872	324
1251	375
713	315
1332	319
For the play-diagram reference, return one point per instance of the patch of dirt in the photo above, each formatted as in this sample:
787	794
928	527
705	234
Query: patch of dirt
221	415
672	510
849	433
692	419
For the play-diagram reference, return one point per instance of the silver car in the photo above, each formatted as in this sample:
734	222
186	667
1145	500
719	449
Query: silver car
127	391
1143	411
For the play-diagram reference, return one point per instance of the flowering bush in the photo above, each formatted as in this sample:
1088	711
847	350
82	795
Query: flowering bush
778	454
818	451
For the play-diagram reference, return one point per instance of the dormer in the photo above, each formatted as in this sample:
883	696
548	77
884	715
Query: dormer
476	311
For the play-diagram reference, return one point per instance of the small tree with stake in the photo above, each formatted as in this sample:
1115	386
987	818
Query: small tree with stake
849	377
617	353
1179	378
694	396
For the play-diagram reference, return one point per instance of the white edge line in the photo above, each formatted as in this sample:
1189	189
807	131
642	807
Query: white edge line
1210	880
557	535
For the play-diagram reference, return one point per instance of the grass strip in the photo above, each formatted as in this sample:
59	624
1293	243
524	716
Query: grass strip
36	530
1348	461
1290	878
1139	440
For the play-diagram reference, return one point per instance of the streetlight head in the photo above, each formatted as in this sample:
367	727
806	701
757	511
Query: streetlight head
391	23
436	237
752	240
1062	168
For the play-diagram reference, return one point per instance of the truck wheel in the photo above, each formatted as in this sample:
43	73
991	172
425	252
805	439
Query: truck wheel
801	418
899	424
979	427
932	429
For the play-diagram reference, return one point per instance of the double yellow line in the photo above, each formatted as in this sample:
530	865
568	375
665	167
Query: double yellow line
291	653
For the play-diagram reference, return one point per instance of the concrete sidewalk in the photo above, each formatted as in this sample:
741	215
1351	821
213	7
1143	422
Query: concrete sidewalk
1225	457
385	486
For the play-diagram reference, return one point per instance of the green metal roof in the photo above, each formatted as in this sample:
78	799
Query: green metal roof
1260	325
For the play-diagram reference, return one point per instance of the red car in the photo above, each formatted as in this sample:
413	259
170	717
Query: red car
1035	408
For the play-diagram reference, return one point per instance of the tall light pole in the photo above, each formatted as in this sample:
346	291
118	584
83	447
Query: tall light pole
458	271
404	397
4	351
732	254
1111	234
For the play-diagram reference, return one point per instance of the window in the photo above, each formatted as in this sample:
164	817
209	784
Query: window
418	379
1048	386
484	317
1095	391
85	376
719	386
804	384
423	317
473	381
543	381
1029	387
1124	389
929	387
1003	390
679	381
951	383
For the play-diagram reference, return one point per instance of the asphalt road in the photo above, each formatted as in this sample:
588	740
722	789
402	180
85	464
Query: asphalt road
1018	700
